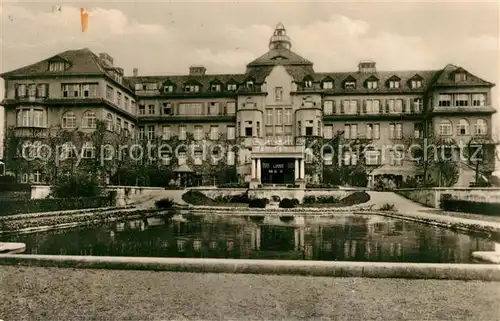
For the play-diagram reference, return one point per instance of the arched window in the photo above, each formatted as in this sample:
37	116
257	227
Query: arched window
89	120
69	120
463	127
109	122
445	128
481	127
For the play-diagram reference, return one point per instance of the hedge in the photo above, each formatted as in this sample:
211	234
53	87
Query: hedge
233	185
10	207
258	203
15	187
470	207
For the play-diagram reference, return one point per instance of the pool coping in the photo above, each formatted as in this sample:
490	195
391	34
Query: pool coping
482	272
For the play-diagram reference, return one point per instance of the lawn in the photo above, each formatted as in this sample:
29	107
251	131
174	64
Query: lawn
38	293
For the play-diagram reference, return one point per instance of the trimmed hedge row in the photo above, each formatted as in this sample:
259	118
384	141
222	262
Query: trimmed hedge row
233	185
289	203
258	203
470	207
9	207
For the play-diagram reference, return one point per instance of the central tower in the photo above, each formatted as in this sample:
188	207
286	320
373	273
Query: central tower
279	39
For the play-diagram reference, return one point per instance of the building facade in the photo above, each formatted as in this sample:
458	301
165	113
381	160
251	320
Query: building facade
276	121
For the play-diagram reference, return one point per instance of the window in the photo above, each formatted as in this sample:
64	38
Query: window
460	76
230	158
444	100
38	118
369	131
109	93
269	116
308	83
398	107
481	127
142	110
231	132
181	158
231	108
394	83
461	100
23	118
89	120
372	157
197	158
213	108
463	127
21	90
249	84
279	117
350	131
151	109
191	88
328	157
309	155
349	84
166	133
371	84
299	128
151	132
328	107
350	106
88	150
118	98
372	106
168	89
418	131
395	157
190	109
214	132
328	131
118	126
182	132
167	109
125	128
395	131
288	116
198	133
328	85
309	128
258	129
141	133
376	131
445	128
417	105
69	120
232	87
478	100
32	90
278	93
215	87
416	83
350	158
56	66
248	129
109	122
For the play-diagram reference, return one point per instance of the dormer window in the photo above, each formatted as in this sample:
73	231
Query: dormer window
394	83
168	89
371	84
328	84
416	83
215	87
250	84
138	86
460	76
192	88
349	84
308	83
56	66
232	87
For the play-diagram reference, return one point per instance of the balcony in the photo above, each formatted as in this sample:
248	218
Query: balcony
446	110
381	115
220	117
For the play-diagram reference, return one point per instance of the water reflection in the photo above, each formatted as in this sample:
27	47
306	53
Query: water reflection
343	238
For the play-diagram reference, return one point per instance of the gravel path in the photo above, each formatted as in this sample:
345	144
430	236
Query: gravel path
36	293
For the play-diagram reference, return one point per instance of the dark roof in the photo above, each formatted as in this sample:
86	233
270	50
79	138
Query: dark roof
180	80
446	78
80	62
279	57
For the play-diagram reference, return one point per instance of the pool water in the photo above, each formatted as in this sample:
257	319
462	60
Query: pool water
340	238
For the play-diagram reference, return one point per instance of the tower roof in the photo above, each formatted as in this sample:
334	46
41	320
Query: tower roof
279	39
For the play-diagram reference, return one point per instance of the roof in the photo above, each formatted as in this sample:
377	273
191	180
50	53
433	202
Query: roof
446	78
180	80
279	57
184	168
80	62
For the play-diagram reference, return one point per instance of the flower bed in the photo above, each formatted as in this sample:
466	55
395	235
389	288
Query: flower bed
53	204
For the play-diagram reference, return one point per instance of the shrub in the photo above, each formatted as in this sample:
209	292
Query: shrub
295	201
233	185
410	182
354	199
327	199
76	186
293	186
197	198
470	207
384	184
286	203
388	207
322	185
311	199
258	203
164	203
276	198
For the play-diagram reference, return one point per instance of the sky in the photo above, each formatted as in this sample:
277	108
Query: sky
166	37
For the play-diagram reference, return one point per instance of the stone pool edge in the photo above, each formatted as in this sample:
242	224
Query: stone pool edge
480	272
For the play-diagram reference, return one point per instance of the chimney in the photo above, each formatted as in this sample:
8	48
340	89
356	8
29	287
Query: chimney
106	59
367	67
135	72
197	70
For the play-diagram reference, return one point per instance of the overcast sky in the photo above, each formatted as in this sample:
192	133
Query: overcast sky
165	37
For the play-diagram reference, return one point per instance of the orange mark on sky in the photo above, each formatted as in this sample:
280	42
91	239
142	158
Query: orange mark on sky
84	17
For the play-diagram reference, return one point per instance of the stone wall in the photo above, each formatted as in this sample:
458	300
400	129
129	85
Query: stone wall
432	196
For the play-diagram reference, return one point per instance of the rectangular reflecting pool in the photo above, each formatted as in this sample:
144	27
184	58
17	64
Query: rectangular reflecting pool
339	238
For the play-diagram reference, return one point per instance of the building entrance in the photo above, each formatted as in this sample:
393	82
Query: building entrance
278	171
